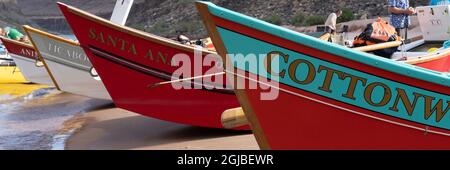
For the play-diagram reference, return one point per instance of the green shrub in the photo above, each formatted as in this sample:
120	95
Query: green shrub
160	28
315	20
347	15
189	26
139	26
298	19
274	19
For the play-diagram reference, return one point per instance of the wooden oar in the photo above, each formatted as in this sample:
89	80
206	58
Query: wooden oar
186	79
379	46
367	48
234	118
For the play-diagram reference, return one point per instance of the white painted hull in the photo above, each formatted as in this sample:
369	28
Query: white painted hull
6	62
68	65
5	56
77	81
411	54
434	22
406	48
30	71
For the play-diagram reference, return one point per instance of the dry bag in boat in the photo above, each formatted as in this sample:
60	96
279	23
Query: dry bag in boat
378	32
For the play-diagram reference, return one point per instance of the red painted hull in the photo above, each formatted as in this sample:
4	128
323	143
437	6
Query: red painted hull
128	75
310	128
442	64
20	49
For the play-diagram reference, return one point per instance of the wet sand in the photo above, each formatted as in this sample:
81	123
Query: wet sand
118	129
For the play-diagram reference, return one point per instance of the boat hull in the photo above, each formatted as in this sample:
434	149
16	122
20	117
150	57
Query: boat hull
68	64
441	64
11	75
132	69
75	81
333	127
25	58
420	48
330	97
30	71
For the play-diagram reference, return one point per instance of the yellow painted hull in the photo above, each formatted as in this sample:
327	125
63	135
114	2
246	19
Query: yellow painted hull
11	75
18	89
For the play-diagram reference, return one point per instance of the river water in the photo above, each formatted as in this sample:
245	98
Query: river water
42	119
37	117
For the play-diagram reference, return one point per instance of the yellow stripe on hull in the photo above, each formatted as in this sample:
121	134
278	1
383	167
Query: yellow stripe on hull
11	75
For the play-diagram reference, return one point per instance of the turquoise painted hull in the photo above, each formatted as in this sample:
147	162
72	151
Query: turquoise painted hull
373	102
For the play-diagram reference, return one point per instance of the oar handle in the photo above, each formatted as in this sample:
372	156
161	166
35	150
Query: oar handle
379	46
234	118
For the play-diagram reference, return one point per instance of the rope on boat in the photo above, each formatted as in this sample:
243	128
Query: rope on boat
185	79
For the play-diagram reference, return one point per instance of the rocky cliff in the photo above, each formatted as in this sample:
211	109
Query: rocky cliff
171	17
10	14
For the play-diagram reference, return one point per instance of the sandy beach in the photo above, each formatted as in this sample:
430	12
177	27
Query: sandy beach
114	128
